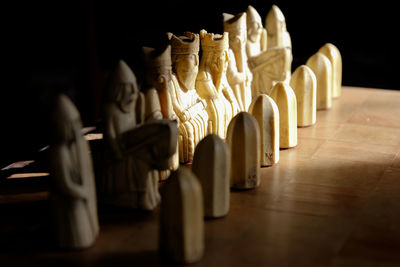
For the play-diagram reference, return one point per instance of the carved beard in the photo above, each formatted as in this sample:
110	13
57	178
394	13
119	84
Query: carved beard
187	80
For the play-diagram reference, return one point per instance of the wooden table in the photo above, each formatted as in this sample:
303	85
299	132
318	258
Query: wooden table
334	200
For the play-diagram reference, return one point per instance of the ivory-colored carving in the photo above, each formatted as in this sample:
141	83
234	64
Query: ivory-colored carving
278	35
182	218
158	78
243	139
333	54
304	85
267	66
266	113
133	152
212	164
285	99
187	105
321	66
212	84
238	73
73	197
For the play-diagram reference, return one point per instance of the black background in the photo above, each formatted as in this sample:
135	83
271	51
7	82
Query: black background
70	46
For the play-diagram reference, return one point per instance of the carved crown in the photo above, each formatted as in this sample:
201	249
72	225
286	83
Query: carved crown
214	42
157	58
252	15
235	25
189	43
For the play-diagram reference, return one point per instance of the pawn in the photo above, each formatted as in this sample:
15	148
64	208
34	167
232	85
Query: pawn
285	99
335	58
321	66
182	218
304	85
243	138
266	113
212	164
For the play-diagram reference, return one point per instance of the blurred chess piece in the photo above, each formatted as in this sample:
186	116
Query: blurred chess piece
157	89
212	84
212	166
266	112
238	73
321	66
187	105
182	218
73	196
304	85
285	99
268	66
333	54
243	139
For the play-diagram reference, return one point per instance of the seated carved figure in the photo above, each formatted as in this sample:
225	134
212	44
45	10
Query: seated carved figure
187	105
238	73
212	84
268	66
134	149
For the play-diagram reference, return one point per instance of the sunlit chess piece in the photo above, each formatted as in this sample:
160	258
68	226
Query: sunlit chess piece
238	73
267	66
182	218
285	99
304	85
187	105
212	166
73	196
266	112
243	139
158	75
333	54
322	68
277	33
212	84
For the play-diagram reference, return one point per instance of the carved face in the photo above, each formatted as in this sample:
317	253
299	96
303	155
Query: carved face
187	67
254	30
127	97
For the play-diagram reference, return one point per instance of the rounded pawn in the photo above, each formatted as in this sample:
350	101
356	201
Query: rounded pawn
304	85
212	165
181	218
333	54
243	138
266	113
285	99
321	66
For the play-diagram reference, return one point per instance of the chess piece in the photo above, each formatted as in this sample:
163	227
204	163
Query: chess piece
304	85
243	139
212	84
130	179
238	73
267	66
285	99
212	164
158	79
182	218
278	36
321	66
256	33
265	111
73	197
187	105
333	54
